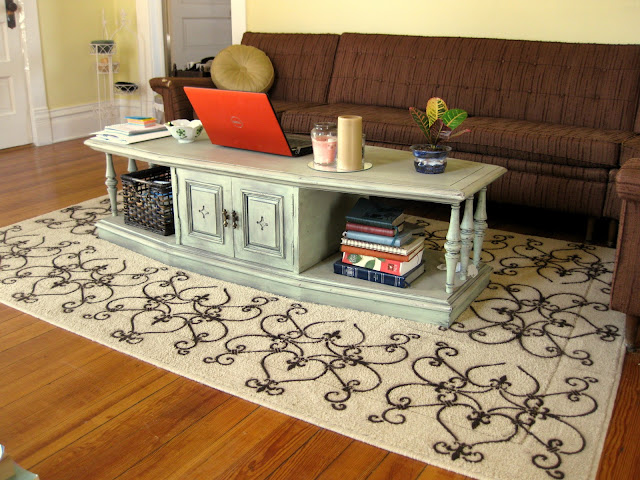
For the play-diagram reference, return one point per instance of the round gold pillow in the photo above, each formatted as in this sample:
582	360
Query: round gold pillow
242	67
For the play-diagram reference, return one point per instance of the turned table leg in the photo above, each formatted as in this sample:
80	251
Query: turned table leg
112	183
452	247
132	167
466	232
480	222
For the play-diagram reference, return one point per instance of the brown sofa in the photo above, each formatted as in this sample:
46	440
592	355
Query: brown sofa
560	117
625	288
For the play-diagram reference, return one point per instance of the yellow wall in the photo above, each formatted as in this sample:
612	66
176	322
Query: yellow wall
66	29
583	21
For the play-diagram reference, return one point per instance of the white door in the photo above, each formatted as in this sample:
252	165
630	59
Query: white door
15	126
199	29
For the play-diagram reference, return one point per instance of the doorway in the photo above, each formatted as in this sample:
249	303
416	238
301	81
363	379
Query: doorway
197	29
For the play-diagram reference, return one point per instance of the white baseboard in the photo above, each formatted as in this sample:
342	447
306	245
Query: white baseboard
68	123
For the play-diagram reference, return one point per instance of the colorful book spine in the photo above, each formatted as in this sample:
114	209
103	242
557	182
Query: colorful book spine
375	253
384	265
145	121
387	232
402	281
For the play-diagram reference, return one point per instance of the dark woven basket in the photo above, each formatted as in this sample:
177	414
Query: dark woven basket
148	200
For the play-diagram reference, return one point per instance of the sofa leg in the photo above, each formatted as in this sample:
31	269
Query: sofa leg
613	233
591	227
632	333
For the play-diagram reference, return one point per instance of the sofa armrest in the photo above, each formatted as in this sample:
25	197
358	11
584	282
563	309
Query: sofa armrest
628	181
176	103
625	286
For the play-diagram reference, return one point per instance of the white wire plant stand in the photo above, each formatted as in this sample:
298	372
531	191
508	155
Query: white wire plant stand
106	108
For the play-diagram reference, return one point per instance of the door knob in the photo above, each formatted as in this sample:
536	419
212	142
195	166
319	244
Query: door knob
225	216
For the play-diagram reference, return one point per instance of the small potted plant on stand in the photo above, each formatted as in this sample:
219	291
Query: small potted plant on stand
437	124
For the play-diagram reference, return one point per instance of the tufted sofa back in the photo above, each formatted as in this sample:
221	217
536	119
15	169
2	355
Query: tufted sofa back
303	63
585	85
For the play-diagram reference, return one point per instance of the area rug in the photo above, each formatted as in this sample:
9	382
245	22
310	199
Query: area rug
522	386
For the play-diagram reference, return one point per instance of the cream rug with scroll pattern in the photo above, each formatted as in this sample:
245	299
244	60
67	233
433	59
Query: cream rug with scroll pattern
522	386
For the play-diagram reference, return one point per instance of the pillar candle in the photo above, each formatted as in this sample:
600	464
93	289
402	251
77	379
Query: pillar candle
349	142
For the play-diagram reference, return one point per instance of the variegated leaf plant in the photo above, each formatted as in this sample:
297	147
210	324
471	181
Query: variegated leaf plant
438	122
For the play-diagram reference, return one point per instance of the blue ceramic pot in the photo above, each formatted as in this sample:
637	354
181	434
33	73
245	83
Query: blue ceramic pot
430	158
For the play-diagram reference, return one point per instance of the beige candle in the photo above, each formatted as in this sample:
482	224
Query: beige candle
349	142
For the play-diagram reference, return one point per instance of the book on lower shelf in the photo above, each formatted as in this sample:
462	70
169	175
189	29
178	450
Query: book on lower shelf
402	281
397	240
385	265
387	232
376	214
413	242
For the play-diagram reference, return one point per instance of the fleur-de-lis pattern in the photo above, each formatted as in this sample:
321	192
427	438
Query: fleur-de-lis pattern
518	383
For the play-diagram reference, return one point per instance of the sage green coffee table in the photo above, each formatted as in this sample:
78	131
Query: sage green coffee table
273	223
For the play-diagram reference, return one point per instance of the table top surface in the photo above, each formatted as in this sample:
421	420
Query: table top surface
392	173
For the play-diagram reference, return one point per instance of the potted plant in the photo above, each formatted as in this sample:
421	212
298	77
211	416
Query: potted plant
437	124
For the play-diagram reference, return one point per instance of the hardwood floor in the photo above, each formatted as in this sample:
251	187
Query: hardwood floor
73	409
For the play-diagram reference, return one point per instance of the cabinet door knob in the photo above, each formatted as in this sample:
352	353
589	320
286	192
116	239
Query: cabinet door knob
234	217
225	216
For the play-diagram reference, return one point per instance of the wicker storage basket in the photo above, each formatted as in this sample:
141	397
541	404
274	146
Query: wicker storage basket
148	200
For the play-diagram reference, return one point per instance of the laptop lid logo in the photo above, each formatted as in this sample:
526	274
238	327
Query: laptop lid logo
236	122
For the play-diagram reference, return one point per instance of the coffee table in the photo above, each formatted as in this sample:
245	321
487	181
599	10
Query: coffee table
273	223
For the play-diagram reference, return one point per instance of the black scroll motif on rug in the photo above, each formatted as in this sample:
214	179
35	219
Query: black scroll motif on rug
577	263
335	352
199	315
80	219
78	277
511	402
541	324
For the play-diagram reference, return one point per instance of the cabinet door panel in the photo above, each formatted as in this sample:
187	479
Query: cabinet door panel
265	223
202	200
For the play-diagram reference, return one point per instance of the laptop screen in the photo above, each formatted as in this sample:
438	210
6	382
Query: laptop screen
239	119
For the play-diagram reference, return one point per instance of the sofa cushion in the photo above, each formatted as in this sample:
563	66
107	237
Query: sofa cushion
530	141
586	85
242	67
542	142
303	63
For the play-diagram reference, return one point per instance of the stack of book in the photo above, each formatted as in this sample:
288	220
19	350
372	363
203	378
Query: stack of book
137	129
380	246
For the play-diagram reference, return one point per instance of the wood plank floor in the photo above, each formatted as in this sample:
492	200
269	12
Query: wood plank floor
73	409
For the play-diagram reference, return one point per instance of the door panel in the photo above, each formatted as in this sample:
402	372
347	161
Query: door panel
265	222
14	104
199	29
204	206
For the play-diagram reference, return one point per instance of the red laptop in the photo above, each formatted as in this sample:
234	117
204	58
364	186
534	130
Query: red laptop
244	120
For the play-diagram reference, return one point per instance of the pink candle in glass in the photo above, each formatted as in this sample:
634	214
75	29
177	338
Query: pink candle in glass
324	149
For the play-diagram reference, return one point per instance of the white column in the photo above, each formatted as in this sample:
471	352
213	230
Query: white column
112	183
452	247
467	237
480	222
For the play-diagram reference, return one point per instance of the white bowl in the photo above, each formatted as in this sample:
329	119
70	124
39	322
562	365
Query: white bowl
185	131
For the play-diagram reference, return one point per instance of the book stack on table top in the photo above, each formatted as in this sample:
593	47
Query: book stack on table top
380	246
137	129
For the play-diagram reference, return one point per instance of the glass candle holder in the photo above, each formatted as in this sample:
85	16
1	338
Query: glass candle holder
324	139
